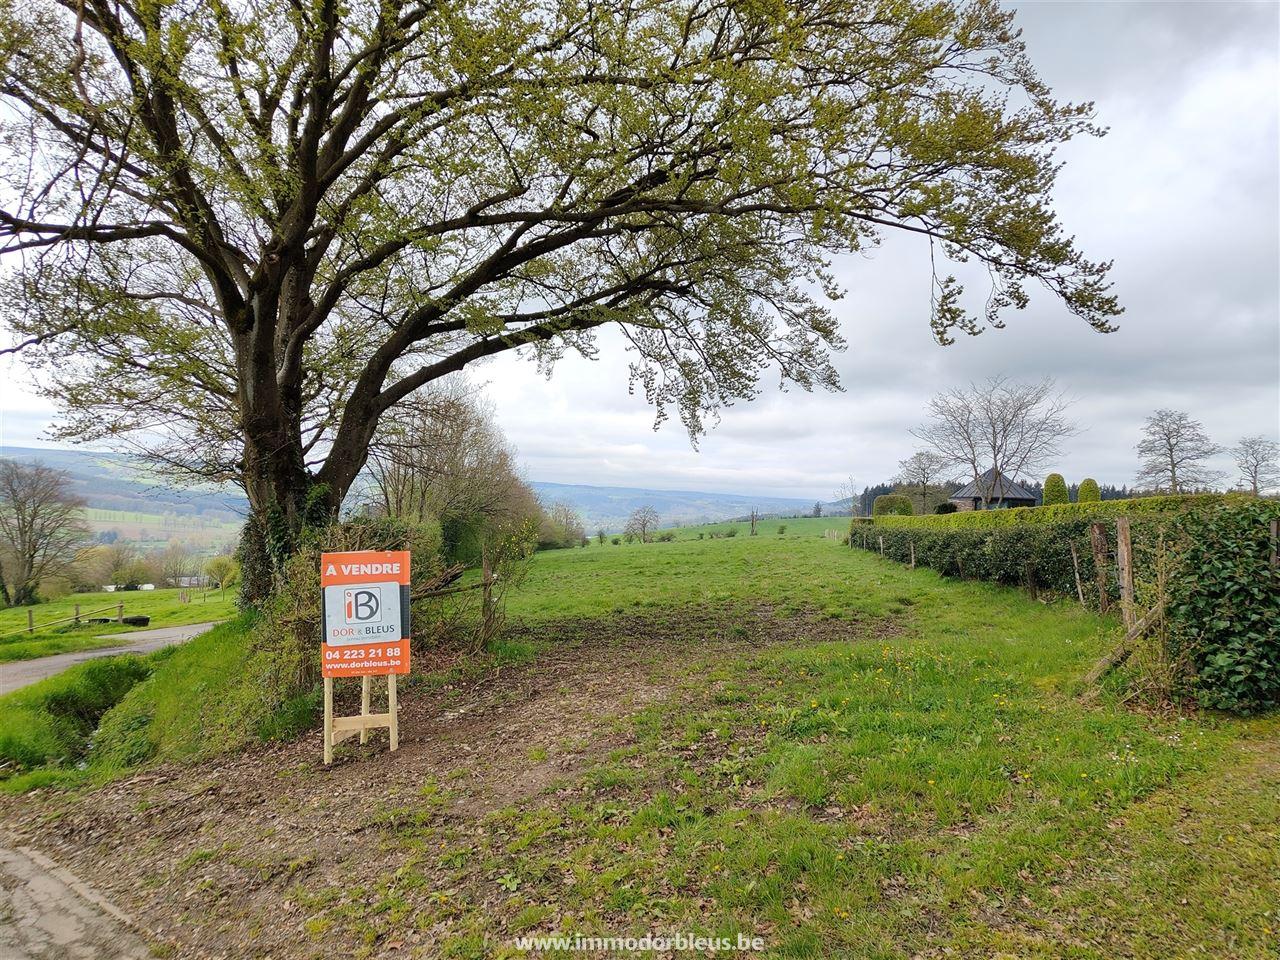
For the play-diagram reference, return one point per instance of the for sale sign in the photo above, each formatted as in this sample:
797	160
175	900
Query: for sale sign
366	612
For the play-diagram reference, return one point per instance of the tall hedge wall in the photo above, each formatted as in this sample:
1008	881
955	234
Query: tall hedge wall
1223	593
1102	510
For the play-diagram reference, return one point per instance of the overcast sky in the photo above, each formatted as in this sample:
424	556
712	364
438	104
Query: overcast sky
1182	194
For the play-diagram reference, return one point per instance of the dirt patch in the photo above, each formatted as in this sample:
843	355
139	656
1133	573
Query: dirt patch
211	856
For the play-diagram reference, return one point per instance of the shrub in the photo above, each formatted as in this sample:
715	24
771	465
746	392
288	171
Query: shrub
731	532
782	528
1088	492
946	507
1055	490
616	541
892	504
1224	608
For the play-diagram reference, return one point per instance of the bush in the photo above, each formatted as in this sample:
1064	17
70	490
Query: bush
616	541
1224	608
946	507
731	532
892	504
782	528
1088	492
1055	490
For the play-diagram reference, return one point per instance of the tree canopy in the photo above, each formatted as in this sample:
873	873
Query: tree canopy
242	230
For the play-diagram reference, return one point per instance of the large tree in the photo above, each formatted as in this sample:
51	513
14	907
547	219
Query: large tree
921	469
243	230
998	429
1258	459
1173	451
42	528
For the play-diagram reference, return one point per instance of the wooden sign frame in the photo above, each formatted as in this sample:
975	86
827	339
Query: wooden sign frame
337	729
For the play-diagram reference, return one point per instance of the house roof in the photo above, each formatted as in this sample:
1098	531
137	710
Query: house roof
1001	489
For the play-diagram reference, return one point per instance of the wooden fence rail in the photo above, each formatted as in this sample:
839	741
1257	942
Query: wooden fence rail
76	617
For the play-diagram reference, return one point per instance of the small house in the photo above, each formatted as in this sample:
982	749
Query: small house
999	491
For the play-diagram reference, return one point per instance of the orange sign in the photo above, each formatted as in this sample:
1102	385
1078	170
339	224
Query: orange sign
366	613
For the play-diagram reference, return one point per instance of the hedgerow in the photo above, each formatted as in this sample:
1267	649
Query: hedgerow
1219	591
1102	510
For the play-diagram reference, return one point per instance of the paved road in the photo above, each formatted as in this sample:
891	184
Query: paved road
20	673
47	913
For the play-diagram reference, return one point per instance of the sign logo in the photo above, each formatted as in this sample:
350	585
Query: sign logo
362	604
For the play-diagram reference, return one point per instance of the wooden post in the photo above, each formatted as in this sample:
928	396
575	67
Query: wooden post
31	621
393	711
1124	567
77	614
1098	540
881	539
1075	565
365	683
913	554
328	720
120	612
486	604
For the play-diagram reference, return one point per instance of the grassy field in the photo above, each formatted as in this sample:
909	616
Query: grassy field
772	736
165	608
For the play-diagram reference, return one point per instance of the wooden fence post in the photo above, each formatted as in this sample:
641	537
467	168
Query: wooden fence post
1098	539
881	539
120	612
1124	567
31	621
1075	564
77	614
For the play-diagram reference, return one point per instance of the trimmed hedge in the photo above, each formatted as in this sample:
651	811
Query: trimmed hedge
1224	606
1088	492
1102	510
1223	594
1055	490
892	504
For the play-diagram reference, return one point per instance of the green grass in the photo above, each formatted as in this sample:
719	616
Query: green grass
926	782
164	607
942	787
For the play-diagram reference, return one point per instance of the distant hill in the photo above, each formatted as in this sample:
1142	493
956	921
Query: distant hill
120	484
125	502
609	507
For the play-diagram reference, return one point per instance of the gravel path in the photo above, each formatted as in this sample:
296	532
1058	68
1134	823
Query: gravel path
21	673
47	913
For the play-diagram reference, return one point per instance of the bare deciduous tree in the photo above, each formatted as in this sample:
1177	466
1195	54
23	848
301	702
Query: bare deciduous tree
1000	425
1259	461
919	470
176	563
41	528
1173	449
439	455
642	523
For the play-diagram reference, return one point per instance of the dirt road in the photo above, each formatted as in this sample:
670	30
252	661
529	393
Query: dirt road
21	673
